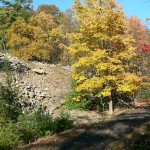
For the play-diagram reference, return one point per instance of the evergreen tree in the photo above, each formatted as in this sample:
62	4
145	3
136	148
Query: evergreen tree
9	12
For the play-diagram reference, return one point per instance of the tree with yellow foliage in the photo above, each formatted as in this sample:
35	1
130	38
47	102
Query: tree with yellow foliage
39	39
102	51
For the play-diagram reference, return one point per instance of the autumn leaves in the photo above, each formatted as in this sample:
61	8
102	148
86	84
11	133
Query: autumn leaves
103	51
38	39
104	47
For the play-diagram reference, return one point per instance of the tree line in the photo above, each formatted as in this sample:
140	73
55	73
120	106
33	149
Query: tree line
35	34
108	51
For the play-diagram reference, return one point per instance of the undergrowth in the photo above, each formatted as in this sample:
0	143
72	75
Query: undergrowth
17	128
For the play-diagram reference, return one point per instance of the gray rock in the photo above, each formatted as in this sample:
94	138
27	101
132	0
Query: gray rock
39	71
38	83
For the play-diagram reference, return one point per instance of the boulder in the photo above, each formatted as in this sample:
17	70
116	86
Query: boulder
39	71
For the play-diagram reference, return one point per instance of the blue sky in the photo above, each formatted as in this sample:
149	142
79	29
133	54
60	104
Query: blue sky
139	8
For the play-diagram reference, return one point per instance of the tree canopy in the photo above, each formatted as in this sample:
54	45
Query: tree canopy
38	39
102	51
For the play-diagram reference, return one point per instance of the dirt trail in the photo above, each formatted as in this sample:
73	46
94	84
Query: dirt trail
98	136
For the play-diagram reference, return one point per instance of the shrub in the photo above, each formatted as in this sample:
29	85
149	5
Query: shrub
82	105
86	103
17	128
9	136
33	126
144	93
62	122
9	100
38	124
72	100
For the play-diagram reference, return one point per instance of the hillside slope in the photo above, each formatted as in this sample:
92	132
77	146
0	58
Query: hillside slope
38	83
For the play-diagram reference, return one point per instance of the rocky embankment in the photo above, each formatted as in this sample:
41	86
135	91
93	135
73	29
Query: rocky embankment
38	83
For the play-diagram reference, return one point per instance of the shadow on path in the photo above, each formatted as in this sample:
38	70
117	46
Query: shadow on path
101	136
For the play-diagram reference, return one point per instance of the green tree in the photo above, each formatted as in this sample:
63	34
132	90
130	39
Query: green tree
9	13
9	99
18	4
102	52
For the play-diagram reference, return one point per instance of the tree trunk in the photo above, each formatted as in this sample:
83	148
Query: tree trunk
111	107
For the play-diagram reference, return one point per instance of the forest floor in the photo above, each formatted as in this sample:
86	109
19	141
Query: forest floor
127	129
